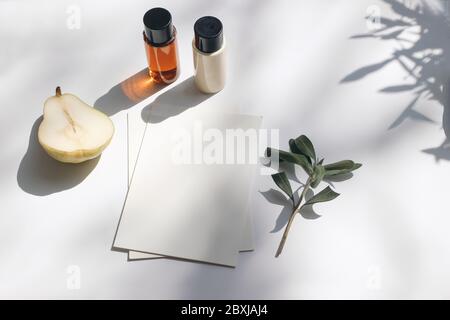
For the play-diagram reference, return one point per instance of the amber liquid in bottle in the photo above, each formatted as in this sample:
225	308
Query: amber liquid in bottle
162	60
160	45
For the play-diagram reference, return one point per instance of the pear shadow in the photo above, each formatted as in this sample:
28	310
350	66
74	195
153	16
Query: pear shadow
128	93
180	98
41	175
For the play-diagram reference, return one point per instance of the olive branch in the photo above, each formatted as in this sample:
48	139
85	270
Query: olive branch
302	153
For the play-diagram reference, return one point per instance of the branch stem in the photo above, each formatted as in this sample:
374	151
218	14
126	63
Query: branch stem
295	209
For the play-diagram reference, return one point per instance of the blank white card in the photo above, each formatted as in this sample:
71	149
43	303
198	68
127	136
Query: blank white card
184	207
136	129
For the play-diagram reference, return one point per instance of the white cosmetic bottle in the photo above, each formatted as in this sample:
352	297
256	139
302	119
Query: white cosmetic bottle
209	55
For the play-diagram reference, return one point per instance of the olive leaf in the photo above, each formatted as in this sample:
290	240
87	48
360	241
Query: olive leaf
344	164
294	149
319	173
325	195
282	182
341	167
303	154
304	146
290	157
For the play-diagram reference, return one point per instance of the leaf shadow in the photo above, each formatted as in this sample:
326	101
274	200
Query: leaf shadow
365	71
276	197
441	152
419	31
338	178
410	113
288	168
307	211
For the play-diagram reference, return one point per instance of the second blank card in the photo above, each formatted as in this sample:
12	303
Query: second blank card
136	129
193	210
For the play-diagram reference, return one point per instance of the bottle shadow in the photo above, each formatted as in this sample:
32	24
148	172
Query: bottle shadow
174	101
41	175
128	93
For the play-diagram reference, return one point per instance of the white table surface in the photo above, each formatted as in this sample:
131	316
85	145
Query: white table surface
294	63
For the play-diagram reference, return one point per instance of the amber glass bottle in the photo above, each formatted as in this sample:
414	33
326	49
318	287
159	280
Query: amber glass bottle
161	45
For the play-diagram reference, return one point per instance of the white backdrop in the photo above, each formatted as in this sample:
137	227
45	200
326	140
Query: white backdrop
306	67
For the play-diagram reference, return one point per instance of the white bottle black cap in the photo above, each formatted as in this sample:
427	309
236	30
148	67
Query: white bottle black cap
158	26
208	34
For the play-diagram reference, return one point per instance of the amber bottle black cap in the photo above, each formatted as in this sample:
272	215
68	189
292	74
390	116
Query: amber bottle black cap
208	34
158	26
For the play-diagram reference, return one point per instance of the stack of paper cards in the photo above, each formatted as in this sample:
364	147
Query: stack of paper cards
190	179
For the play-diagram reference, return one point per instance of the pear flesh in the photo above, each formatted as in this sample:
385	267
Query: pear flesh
72	131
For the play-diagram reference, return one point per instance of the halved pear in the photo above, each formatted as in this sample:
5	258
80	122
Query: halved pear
73	131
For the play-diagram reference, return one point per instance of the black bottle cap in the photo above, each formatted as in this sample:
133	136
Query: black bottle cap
208	34
158	26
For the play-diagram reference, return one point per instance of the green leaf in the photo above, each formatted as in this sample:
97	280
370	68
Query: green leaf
282	182
325	195
296	150
304	146
290	157
293	147
341	167
319	173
